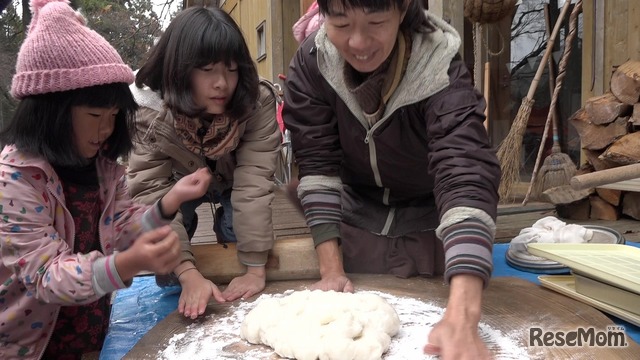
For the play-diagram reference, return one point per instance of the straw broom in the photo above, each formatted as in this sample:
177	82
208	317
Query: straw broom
510	150
558	168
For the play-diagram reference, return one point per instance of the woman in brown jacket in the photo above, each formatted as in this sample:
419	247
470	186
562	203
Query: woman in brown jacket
396	172
202	104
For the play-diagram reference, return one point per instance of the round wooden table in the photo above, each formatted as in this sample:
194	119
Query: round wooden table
510	305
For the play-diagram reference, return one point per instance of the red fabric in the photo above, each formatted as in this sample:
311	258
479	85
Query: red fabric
81	329
279	117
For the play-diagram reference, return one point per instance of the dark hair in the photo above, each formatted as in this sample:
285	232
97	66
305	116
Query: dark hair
42	124
196	37
415	19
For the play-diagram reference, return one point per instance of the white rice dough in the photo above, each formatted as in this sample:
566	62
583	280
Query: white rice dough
325	325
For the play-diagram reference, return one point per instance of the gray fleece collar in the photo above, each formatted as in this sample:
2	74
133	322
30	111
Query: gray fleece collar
426	74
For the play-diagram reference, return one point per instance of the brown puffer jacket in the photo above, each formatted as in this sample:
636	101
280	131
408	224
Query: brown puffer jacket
161	159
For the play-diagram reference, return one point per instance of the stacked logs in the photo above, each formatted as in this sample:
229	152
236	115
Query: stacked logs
609	130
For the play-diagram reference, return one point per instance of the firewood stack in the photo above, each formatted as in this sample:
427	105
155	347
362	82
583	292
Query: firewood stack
609	130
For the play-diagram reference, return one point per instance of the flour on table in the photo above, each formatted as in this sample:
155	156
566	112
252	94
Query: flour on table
217	336
310	325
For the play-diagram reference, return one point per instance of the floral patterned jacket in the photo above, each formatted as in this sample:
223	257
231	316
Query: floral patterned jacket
39	272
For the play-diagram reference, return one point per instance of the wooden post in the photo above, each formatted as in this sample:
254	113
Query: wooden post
453	12
304	5
499	40
487	91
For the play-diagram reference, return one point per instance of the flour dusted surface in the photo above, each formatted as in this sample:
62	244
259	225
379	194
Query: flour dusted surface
218	336
310	325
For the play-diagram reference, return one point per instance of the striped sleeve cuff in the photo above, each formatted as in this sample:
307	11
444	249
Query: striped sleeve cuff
468	249
105	276
153	218
322	207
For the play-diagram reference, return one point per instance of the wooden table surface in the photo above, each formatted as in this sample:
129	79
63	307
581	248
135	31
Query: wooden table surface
511	305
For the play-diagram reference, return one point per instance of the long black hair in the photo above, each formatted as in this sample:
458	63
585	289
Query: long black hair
196	37
42	124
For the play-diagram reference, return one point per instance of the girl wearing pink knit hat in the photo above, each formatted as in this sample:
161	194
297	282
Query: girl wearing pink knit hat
70	234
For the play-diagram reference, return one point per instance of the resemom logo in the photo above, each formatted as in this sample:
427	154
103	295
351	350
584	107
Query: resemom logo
612	336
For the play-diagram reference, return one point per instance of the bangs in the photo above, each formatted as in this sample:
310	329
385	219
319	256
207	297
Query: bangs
368	5
43	124
105	96
218	42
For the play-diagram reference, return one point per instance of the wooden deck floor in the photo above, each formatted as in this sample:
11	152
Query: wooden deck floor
289	223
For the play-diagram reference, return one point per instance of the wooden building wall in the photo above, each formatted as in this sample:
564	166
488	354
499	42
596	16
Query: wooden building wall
250	14
304	5
277	17
611	36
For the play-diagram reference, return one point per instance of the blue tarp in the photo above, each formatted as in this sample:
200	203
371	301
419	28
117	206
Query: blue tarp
135	311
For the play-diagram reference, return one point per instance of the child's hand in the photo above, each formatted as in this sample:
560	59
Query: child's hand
196	293
157	250
192	186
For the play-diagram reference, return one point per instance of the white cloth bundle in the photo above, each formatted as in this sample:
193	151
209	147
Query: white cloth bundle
551	230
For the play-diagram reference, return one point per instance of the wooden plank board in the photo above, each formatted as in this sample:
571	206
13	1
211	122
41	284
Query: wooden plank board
633	31
627	185
616	47
289	259
510	305
588	50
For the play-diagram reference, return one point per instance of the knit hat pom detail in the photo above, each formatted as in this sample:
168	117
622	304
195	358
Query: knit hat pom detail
36	5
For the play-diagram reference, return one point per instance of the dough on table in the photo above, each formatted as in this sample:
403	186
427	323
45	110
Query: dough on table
309	325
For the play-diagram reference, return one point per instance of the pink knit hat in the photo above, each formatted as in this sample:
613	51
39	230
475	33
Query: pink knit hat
61	53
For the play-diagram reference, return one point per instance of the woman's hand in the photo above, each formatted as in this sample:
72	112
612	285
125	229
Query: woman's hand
246	285
456	340
196	293
456	335
337	281
332	272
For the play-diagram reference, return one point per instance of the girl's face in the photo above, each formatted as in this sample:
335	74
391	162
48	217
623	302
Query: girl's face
364	38
213	86
92	126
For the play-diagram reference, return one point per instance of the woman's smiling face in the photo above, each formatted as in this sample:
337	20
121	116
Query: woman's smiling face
364	38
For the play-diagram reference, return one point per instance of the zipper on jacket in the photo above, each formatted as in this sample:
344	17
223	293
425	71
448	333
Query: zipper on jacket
201	133
373	158
367	138
55	321
373	162
53	327
390	216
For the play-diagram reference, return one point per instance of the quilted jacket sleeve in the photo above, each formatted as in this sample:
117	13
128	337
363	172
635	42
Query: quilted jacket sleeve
256	158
